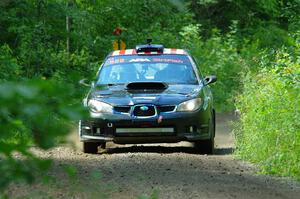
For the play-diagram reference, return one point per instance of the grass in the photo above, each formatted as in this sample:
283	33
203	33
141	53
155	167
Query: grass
269	130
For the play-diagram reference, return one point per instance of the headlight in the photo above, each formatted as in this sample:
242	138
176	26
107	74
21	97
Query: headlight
99	107
190	105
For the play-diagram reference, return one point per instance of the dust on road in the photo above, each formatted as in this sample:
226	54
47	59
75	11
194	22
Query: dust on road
162	170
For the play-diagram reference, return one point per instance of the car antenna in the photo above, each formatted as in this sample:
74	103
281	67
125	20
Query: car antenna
148	41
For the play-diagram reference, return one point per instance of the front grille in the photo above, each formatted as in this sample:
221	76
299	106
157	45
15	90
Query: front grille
122	109
167	108
144	110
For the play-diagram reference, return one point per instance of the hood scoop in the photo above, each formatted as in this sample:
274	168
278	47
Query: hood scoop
146	85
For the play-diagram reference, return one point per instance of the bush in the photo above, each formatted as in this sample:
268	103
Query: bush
269	132
9	68
32	112
271	36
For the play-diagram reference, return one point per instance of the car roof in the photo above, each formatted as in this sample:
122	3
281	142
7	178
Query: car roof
167	51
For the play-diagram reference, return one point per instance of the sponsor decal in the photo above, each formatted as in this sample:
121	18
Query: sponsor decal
115	61
149	98
178	61
139	60
118	60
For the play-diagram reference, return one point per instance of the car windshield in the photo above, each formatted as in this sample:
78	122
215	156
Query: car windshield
171	69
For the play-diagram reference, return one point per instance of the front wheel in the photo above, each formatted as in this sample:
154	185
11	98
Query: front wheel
205	146
92	147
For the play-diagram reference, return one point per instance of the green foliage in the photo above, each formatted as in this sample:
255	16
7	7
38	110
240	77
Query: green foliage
40	35
32	112
9	68
271	36
269	132
251	14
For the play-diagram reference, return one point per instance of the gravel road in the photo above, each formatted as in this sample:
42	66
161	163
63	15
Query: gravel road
162	171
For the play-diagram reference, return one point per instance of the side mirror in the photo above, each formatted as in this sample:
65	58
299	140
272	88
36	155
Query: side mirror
84	82
210	79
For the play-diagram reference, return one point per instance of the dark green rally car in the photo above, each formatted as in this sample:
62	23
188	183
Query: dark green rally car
150	94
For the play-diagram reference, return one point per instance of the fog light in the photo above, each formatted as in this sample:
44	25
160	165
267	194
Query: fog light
85	130
193	129
98	131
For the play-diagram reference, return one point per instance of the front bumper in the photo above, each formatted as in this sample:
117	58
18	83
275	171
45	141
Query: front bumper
163	128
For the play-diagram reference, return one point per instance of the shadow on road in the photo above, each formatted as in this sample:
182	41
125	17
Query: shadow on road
163	149
223	151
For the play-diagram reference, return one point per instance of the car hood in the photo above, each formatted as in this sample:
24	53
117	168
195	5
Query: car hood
118	95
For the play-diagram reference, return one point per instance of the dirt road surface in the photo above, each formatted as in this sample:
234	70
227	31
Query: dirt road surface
156	171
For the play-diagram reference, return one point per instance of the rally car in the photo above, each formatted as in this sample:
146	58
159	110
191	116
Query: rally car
150	94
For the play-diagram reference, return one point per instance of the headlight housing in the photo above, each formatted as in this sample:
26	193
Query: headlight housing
190	105
99	107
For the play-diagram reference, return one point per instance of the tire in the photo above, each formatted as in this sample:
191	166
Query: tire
90	147
207	146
